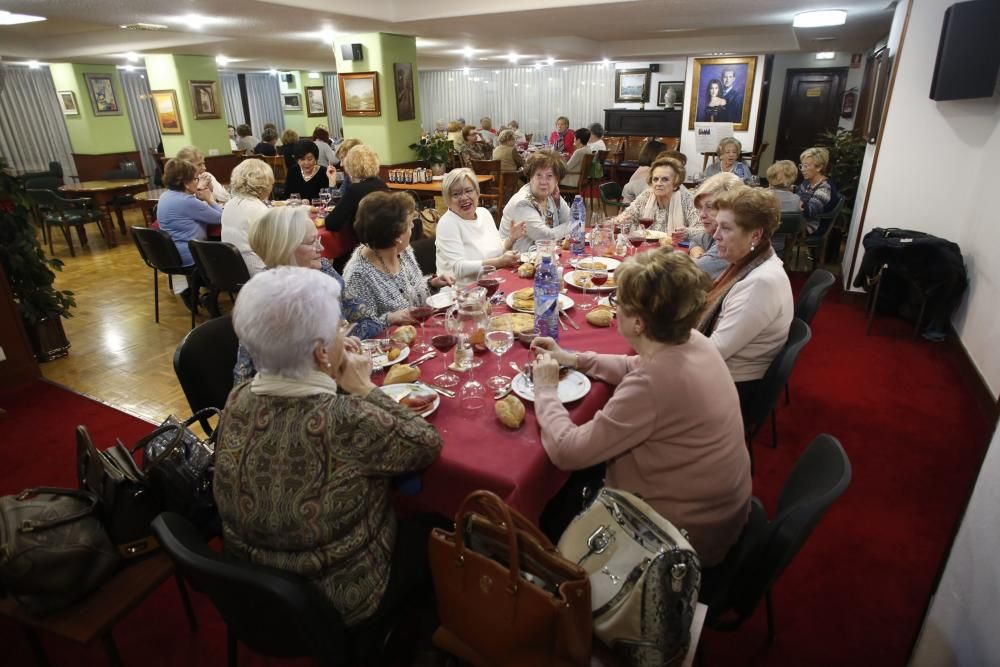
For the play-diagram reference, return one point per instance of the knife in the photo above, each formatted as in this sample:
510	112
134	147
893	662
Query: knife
444	392
570	320
429	355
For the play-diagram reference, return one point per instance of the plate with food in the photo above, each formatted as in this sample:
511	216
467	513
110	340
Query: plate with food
655	235
573	385
443	299
523	301
419	398
388	353
584	280
519	322
595	263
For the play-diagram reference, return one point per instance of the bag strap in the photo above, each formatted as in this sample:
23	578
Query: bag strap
522	524
30	526
201	415
492	507
145	440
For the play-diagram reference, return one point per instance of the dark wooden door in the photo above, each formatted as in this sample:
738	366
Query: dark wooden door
810	106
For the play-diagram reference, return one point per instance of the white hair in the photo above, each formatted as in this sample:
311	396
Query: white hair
453	177
282	313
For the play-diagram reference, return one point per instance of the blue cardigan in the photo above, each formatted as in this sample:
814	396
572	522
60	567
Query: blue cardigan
186	217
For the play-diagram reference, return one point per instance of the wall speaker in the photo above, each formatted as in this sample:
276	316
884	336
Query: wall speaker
655	67
352	52
289	78
965	68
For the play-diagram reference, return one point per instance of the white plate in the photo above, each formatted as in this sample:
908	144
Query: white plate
654	235
605	301
573	387
565	303
382	360
568	277
442	299
609	262
398	391
437	178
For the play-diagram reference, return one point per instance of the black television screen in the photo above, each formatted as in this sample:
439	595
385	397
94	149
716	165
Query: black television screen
968	61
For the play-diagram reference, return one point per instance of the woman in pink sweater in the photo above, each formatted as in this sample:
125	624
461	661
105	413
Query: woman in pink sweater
672	431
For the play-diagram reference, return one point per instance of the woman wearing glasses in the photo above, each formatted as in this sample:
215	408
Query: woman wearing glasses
816	191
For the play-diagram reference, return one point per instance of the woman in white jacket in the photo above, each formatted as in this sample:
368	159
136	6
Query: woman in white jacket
251	182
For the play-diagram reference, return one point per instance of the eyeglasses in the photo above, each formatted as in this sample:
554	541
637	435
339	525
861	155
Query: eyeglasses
468	192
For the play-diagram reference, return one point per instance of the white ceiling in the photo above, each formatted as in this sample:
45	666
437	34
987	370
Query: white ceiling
287	34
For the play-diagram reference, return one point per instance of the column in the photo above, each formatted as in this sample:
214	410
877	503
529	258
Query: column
195	82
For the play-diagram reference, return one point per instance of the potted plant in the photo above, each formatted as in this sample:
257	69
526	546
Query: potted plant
847	150
436	151
30	273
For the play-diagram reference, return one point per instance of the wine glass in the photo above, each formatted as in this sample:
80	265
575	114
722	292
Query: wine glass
472	395
325	195
443	338
581	278
598	277
636	236
294	199
421	313
499	339
489	280
374	347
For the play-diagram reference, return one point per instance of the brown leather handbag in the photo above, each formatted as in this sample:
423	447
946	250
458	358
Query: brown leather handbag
505	596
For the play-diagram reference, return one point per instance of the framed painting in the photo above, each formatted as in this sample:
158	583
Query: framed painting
631	85
406	108
205	100
67	102
315	101
359	94
168	116
291	102
670	94
103	98
722	91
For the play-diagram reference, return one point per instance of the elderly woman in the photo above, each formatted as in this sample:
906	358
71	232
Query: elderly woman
473	147
466	237
670	211
562	138
327	156
306	178
596	143
640	177
361	165
688	461
341	153
575	164
749	309
510	158
537	204
486	131
455	134
288	140
307	449
194	155
245	140
518	134
704	250
383	271
268	143
781	177
729	160
816	191
231	129
251	182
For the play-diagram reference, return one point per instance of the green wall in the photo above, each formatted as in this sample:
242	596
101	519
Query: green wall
170	72
389	137
90	134
301	121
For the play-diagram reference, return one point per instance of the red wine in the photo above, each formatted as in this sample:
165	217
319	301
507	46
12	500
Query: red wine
637	240
598	279
490	284
444	342
421	312
646	222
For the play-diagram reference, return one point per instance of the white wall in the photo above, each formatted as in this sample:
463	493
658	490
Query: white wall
961	625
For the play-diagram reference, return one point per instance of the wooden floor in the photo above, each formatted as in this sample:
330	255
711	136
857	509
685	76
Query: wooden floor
119	354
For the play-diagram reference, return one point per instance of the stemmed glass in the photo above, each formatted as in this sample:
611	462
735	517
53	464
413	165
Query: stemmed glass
325	195
580	277
499	339
489	279
420	314
636	236
374	347
294	199
472	395
598	277
444	336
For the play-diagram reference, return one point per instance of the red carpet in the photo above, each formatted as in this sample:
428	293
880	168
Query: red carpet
854	596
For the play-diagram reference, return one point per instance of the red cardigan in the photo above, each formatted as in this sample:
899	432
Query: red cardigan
568	141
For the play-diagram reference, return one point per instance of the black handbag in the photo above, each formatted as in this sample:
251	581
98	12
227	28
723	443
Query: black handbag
53	549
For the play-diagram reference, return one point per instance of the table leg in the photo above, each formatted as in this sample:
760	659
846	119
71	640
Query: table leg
121	221
114	658
109	227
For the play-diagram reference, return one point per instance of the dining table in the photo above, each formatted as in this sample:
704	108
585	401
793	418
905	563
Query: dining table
103	192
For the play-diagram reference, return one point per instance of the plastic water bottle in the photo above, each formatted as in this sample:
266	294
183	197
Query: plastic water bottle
547	299
578	220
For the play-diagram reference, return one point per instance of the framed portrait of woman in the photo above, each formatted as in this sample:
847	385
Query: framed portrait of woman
722	91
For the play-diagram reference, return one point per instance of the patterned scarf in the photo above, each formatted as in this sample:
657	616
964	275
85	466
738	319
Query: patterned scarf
549	214
726	281
560	142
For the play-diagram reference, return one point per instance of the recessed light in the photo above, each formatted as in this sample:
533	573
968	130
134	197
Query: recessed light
550	62
195	21
132	56
605	62
9	18
148	27
327	35
272	72
825	55
221	61
466	70
129	68
469	51
538	65
512	57
820	18
496	71
33	64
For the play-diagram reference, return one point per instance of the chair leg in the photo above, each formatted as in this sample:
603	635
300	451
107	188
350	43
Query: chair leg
872	305
769	602
52	251
788	395
186	601
156	296
233	648
69	239
114	658
36	643
774	429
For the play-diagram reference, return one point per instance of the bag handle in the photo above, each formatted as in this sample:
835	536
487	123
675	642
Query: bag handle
145	440
522	524
492	506
30	526
203	415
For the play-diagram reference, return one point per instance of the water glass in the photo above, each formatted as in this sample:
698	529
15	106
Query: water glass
294	199
499	339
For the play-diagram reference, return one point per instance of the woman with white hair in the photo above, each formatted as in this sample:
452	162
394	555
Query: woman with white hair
194	155
816	190
729	159
306	452
251	182
466	237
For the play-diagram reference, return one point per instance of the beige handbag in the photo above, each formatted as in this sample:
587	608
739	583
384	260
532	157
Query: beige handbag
644	578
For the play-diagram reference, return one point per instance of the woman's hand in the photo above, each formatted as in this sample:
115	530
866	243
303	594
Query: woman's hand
517	230
401	317
331	174
437	282
509	258
545	370
545	345
354	374
205	194
680	234
353	344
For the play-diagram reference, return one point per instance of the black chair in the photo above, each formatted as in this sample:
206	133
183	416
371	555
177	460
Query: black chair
159	253
788	229
222	269
275	613
51	210
811	296
733	589
426	253
204	364
817	242
611	195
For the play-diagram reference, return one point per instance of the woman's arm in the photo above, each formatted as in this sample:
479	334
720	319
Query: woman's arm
366	322
389	439
451	260
631	214
746	311
202	213
815	203
344	212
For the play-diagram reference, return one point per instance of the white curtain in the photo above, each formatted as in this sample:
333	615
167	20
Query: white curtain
531	96
32	128
232	101
141	116
264	98
332	104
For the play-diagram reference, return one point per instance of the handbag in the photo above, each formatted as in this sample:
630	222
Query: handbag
429	218
128	506
644	578
53	549
505	596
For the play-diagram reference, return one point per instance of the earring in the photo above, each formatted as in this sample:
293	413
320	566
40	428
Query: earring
752	247
327	365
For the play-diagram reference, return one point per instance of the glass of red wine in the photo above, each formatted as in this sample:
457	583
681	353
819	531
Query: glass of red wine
420	314
636	236
444	338
646	222
488	279
598	277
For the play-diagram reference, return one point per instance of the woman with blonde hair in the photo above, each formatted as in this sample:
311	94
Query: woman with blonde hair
510	158
194	155
689	461
361	165
703	249
729	161
816	191
342	150
455	134
288	140
251	183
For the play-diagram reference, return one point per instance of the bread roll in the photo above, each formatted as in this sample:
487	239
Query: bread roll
526	270
405	334
600	317
510	411
401	373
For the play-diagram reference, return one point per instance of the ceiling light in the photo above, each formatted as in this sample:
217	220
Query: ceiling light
129	68
132	56
149	27
221	61
33	64
272	72
466	70
327	35
605	62
512	57
313	75
195	21
565	69
825	55
538	65
820	18
550	62
469	51
8	18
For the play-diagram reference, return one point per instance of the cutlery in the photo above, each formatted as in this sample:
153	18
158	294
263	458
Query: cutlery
561	323
570	320
420	360
444	392
500	393
524	372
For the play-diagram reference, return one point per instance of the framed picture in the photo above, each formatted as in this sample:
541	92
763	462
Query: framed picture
631	85
722	91
67	100
875	87
359	94
670	94
205	100
292	102
406	108
315	101
168	116
102	94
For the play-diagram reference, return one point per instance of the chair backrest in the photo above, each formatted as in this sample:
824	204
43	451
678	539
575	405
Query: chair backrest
220	264
826	220
791	223
43	183
204	362
56	168
755	157
610	192
157	249
275	613
121	174
488	168
634	146
777	374
425	250
670	143
45	199
812	294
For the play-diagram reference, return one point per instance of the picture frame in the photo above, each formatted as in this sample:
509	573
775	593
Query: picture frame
168	112
205	99
67	102
632	85
406	107
315	101
103	98
670	94
731	82
873	95
291	102
359	94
